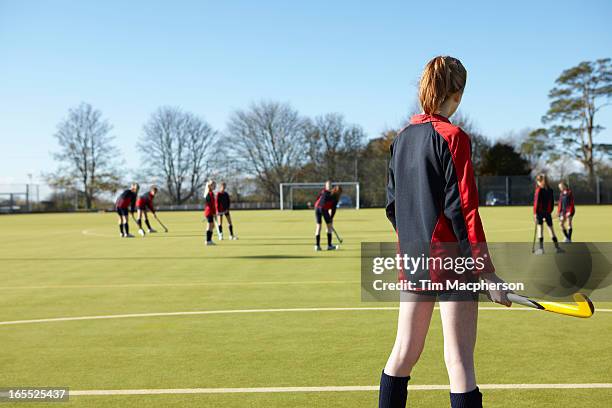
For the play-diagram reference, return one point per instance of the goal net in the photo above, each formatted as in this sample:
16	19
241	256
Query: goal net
295	196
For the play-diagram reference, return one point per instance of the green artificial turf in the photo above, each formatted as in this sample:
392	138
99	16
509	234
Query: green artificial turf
69	265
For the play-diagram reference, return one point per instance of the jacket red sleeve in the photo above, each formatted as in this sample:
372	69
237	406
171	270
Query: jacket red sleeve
536	196
462	211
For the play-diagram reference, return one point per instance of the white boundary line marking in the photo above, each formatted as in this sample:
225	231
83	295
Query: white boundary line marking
88	232
347	388
177	284
235	311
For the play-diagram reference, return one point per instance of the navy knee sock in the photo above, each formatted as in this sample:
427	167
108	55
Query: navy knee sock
472	399
121	228
148	225
208	236
556	241
329	239
318	240
393	391
569	233
231	228
126	228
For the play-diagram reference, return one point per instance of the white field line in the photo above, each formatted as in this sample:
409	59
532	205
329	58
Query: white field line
88	232
239	311
347	388
145	285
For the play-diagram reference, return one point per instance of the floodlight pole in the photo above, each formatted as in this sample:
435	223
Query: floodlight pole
282	207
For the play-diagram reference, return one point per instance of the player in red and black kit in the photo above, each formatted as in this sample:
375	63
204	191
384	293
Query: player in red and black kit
566	210
144	204
210	210
125	203
223	209
325	208
431	199
543	202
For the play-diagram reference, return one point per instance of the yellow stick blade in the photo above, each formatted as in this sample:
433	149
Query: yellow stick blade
582	308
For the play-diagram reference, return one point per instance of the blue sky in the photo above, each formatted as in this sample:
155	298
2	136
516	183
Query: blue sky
211	57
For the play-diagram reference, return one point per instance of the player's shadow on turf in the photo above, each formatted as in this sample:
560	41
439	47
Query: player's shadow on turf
274	257
275	244
250	239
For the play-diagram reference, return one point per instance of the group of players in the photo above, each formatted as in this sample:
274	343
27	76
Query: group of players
129	201
543	203
217	206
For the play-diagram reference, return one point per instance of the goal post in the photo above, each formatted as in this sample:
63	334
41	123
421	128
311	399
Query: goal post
303	195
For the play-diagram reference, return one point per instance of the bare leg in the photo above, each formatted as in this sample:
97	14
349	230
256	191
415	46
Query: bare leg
412	326
551	231
459	321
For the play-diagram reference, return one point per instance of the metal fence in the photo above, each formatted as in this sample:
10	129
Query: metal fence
492	190
519	190
19	197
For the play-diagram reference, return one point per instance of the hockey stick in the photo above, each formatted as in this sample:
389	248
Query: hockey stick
337	235
535	229
582	308
160	223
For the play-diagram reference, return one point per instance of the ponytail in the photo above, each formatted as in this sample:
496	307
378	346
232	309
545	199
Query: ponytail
442	77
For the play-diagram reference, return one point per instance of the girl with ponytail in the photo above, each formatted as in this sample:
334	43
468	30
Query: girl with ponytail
432	199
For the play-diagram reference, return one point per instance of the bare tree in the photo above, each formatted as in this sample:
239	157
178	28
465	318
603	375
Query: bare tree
268	141
87	156
177	147
333	146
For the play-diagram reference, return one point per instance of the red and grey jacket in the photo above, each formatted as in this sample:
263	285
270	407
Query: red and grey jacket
431	194
223	201
210	205
127	199
327	201
566	203
543	200
146	201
